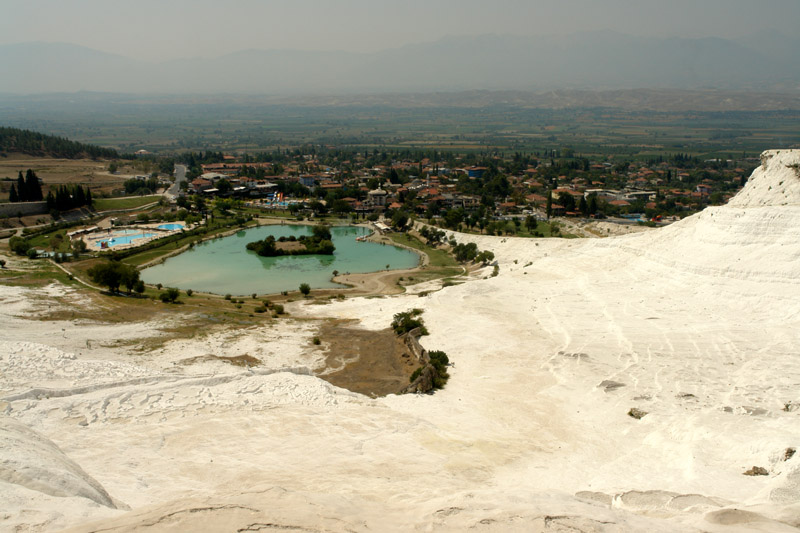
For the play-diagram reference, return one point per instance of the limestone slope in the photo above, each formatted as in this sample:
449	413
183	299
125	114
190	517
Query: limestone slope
695	325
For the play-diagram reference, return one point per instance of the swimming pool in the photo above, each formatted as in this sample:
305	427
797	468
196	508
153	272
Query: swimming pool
123	237
170	227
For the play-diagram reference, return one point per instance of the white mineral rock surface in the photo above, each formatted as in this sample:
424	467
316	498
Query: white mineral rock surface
696	324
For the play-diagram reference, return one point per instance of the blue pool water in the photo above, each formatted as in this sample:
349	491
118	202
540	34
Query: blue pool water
130	236
170	227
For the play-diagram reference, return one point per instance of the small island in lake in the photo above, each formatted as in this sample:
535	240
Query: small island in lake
319	243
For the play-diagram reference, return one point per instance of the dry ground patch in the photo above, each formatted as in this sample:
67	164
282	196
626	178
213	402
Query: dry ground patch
373	363
54	172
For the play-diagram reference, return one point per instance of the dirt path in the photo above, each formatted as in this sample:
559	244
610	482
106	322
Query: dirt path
76	278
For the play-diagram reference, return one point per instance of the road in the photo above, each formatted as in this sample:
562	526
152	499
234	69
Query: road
180	176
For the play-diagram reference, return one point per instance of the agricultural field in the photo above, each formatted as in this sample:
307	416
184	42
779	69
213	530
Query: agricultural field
699	125
55	172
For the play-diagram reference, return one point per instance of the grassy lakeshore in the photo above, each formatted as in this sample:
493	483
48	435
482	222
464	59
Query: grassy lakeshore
435	263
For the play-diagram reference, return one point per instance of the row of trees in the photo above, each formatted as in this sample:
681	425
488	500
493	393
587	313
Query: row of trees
567	201
113	274
469	252
141	186
69	197
39	144
28	189
66	197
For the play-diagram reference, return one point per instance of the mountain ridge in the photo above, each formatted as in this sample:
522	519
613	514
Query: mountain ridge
597	60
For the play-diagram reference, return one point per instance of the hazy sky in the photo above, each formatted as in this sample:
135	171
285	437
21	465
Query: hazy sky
169	29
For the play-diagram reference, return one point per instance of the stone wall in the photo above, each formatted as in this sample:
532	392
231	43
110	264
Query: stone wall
424	382
26	208
412	341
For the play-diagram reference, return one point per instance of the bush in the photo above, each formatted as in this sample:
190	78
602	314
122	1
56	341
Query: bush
227	296
415	374
316	341
189	292
305	289
18	245
407	321
465	252
484	257
278	308
170	295
260	309
438	359
439	362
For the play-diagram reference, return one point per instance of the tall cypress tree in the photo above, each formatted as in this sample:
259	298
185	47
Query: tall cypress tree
12	194
79	197
62	198
21	189
32	186
592	204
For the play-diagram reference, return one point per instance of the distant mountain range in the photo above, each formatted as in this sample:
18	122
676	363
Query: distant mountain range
601	60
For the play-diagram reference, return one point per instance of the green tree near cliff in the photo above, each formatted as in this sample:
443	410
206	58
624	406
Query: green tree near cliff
112	274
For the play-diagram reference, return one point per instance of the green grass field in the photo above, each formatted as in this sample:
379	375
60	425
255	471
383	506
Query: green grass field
438	258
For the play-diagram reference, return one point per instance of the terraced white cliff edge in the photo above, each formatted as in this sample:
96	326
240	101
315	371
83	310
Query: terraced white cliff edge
695	327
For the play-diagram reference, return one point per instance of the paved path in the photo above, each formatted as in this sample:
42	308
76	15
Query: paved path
175	188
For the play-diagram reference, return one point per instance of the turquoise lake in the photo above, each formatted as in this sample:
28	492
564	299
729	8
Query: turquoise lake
225	266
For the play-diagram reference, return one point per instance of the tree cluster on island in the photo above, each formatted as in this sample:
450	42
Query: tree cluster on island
318	243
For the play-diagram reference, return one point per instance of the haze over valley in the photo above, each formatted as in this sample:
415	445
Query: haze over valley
370	265
592	60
